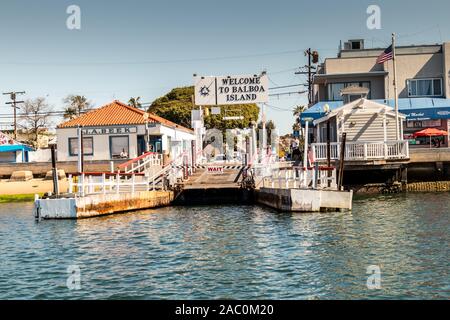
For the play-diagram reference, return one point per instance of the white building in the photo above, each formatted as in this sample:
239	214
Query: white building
118	131
370	128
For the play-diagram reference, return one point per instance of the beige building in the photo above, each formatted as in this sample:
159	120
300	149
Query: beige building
422	71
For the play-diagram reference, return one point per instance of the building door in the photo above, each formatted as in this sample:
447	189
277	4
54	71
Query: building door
141	148
156	144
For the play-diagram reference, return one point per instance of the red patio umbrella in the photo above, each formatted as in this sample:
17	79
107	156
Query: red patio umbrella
430	132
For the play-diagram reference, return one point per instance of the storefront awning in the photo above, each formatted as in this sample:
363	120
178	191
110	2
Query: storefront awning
14	148
415	109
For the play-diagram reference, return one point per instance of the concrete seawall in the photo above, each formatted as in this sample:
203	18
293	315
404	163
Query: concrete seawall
438	186
102	204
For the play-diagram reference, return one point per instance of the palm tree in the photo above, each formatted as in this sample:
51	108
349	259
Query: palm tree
135	102
298	110
76	105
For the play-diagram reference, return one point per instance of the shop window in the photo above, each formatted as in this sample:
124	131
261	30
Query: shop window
88	146
119	147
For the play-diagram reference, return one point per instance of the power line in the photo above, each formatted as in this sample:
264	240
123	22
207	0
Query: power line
288	86
150	61
287	93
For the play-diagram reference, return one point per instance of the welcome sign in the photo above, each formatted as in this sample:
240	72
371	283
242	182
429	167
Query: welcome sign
231	90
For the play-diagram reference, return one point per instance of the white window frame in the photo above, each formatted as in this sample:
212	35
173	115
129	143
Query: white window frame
408	85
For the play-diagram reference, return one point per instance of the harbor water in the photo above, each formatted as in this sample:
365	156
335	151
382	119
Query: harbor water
232	252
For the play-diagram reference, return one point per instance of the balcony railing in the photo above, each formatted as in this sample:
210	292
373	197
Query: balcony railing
360	151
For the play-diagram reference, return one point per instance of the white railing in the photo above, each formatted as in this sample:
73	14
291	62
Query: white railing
355	151
106	183
304	178
141	164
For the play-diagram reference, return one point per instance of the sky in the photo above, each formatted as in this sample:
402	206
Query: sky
145	48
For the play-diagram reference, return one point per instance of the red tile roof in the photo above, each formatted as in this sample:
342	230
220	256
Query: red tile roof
117	113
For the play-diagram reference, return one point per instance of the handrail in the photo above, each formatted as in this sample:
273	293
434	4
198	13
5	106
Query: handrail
113	174
126	164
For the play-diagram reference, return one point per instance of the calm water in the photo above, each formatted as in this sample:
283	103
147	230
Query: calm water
232	252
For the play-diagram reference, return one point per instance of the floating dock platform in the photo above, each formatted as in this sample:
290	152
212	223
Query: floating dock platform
100	204
305	200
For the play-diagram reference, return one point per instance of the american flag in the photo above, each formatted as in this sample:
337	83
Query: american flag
387	55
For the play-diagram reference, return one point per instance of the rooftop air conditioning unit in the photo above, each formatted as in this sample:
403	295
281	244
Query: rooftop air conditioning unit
354	44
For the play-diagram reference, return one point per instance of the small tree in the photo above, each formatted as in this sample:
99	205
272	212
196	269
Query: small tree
135	102
297	112
35	116
75	106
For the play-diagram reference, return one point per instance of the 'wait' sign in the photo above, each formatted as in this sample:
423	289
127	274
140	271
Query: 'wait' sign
215	170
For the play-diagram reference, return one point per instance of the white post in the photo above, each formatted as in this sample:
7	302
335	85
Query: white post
401	129
385	136
70	184
82	191
133	181
90	185
286	175
104	183
117	183
80	164
305	157
112	166
395	89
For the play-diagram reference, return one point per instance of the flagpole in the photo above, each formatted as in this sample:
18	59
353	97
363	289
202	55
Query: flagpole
395	89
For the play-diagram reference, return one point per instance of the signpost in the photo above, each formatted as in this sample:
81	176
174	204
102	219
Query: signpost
229	90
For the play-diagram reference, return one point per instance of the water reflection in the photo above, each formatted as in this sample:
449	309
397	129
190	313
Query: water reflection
243	252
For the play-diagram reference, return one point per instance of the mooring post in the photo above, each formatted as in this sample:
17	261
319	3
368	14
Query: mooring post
341	162
54	173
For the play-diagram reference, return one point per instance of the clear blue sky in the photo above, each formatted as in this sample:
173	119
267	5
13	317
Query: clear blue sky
145	48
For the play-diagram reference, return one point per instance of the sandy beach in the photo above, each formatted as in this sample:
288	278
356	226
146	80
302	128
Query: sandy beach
30	187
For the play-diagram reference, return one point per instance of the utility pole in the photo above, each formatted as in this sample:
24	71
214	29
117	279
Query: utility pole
14	103
313	58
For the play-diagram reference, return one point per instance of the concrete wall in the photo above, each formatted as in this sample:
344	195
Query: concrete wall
352	65
413	67
99	205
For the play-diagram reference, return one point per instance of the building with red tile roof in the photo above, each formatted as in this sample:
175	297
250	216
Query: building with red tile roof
118	131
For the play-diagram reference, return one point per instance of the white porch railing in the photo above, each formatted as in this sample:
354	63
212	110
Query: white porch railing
356	151
298	177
